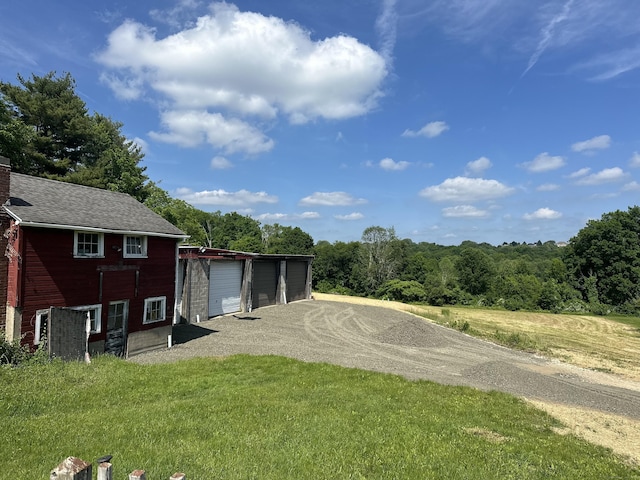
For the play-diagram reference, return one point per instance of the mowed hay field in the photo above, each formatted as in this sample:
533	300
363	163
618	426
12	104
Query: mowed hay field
609	350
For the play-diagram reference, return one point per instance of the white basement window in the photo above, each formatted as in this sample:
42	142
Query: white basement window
95	316
155	309
135	246
42	324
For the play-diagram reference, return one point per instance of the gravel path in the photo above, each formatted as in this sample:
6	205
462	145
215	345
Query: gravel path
384	340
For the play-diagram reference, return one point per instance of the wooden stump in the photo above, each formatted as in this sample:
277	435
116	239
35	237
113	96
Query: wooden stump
72	468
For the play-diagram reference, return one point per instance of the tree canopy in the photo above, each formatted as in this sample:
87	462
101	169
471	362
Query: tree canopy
46	130
605	255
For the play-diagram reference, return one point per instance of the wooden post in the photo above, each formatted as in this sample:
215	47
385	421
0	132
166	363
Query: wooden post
178	476
105	471
138	475
72	468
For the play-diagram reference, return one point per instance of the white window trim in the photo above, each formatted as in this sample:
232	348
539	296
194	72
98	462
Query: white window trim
98	308
147	303
130	255
39	314
100	253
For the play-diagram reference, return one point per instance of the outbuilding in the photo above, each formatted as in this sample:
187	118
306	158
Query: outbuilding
214	282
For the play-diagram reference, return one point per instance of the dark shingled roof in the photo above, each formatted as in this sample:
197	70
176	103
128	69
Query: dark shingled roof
40	201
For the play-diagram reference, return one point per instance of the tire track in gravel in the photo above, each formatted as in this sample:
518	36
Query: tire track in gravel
346	329
455	359
459	359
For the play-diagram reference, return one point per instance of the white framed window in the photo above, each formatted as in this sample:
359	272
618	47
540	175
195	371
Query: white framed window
88	244
155	309
135	246
42	325
95	316
117	315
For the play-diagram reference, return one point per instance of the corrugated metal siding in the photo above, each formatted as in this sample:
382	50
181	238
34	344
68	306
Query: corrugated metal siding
265	282
225	284
296	280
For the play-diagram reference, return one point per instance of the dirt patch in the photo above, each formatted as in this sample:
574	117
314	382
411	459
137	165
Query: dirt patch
488	435
620	434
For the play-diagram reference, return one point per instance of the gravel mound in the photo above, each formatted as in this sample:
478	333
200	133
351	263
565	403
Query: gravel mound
414	332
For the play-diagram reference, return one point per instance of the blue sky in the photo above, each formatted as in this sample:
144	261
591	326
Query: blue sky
449	120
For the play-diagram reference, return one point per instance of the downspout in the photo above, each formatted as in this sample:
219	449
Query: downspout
175	285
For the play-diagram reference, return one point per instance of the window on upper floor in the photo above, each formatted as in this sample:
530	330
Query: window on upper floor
155	309
88	244
135	246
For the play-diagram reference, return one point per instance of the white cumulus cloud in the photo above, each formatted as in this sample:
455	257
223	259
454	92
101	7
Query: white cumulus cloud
332	199
543	214
608	175
580	173
243	65
430	130
220	163
288	217
241	198
634	162
478	167
390	164
465	189
601	142
142	144
544	163
464	211
193	128
548	187
350	216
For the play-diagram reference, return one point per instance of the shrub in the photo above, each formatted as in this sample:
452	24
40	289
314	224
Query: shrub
440	295
324	286
11	353
575	306
598	308
402	291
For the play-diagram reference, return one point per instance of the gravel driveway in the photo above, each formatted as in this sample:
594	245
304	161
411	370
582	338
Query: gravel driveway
385	340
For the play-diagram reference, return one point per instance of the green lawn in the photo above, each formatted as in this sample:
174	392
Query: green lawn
276	418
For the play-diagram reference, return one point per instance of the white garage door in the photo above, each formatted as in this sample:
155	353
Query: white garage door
225	285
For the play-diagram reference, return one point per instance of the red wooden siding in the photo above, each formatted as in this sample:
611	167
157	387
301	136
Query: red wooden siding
51	276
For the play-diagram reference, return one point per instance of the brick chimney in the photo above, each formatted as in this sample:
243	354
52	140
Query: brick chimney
5	183
5	175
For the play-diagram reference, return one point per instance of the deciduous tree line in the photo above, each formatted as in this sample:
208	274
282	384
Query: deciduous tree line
599	271
47	130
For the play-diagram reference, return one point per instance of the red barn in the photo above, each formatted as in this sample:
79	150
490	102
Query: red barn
100	252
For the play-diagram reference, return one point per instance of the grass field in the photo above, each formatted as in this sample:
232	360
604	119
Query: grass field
276	418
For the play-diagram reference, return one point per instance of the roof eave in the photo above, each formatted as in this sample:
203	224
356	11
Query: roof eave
23	223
